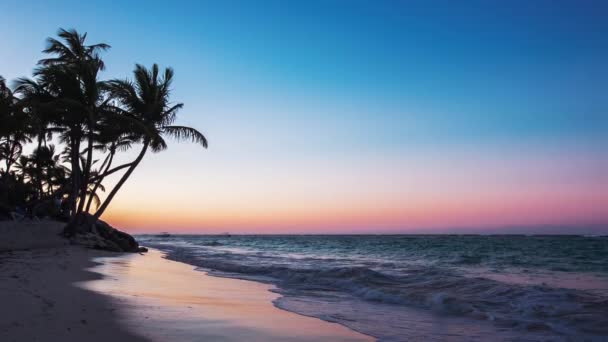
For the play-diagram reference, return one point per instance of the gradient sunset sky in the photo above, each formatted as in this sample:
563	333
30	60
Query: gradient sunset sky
357	116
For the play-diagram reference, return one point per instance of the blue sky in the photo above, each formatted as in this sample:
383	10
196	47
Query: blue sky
342	83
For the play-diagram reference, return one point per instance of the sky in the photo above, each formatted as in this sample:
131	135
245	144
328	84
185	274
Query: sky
357	116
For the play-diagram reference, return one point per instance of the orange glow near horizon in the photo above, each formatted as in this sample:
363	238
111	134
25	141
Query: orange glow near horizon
370	220
376	215
382	195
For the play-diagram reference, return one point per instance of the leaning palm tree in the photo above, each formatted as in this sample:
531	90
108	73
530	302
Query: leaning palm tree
111	138
145	103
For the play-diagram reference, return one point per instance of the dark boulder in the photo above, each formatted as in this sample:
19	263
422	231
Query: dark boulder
87	231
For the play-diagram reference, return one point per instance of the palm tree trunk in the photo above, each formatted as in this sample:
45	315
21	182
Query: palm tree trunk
75	176
87	169
9	163
122	180
9	159
116	169
98	183
39	169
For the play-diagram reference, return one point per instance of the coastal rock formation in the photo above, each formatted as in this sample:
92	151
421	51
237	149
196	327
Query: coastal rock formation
100	235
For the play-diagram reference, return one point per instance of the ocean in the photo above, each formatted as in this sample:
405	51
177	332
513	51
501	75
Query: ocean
419	287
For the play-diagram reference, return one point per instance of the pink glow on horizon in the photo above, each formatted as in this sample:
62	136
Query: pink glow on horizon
423	193
430	217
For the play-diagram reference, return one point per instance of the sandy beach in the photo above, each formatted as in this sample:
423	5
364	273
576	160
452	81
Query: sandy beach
41	303
52	291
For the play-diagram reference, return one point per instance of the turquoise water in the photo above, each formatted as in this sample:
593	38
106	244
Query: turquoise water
448	287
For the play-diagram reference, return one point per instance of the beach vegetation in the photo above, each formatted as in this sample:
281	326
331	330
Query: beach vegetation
62	128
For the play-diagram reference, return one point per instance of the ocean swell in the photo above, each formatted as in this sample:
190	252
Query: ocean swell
556	312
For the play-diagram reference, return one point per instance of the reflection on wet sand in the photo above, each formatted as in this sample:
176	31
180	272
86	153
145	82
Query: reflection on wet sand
163	299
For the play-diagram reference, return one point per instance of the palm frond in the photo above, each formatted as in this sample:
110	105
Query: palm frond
182	133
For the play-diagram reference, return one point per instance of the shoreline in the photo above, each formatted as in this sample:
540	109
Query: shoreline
162	300
423	288
72	293
51	289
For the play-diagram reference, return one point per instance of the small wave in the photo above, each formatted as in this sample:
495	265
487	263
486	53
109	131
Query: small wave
211	244
470	259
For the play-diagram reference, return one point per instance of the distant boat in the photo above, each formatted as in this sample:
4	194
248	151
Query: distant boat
226	234
163	235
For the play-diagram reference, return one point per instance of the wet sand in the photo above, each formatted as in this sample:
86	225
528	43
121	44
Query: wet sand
164	300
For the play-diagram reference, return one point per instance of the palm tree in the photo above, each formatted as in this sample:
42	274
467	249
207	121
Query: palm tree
66	99
6	102
73	52
14	129
112	137
36	101
145	102
71	75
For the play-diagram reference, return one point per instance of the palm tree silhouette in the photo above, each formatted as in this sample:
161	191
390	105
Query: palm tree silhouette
66	99
14	129
146	102
72	76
